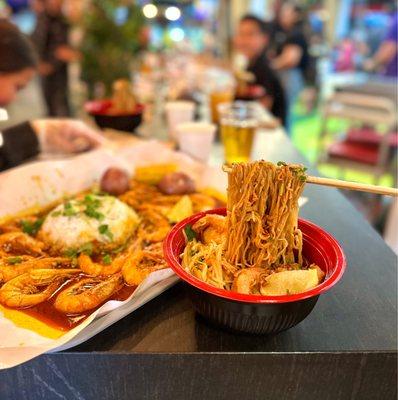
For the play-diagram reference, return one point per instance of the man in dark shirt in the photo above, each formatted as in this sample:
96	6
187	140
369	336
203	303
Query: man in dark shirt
51	38
251	40
289	53
295	37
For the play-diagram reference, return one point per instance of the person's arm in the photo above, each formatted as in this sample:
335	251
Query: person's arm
386	53
387	50
289	58
67	54
17	144
26	140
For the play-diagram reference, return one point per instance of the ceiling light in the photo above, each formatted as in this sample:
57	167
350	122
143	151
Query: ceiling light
150	10
172	13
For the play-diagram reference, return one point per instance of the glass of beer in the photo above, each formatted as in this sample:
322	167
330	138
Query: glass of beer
238	124
218	97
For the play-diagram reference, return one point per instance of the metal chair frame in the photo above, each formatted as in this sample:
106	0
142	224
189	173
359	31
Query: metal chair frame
366	109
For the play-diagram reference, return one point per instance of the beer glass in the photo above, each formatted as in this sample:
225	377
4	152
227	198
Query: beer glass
238	123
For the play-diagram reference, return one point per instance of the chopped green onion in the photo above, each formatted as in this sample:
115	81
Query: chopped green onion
31	228
104	230
90	200
91	212
69	211
303	178
86	249
190	234
71	253
106	259
119	249
14	260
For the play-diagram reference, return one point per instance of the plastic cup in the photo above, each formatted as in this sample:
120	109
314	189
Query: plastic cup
178	112
196	139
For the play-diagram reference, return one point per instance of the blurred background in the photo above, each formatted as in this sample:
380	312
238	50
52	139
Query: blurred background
334	63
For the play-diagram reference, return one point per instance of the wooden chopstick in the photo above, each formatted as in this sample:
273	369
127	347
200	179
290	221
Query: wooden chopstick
362	187
337	183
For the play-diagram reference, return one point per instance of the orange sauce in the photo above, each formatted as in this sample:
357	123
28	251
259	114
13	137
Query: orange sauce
45	312
49	315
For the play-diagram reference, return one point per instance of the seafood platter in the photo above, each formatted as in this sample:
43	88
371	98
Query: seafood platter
81	241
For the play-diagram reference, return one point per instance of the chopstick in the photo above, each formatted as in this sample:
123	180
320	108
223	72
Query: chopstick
337	183
361	187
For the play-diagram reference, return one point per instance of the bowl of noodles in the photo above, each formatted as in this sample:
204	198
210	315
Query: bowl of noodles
254	266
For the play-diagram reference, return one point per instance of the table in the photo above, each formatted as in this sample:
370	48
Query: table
386	88
346	348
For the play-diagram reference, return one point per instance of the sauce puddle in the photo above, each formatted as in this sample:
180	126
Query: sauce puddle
49	315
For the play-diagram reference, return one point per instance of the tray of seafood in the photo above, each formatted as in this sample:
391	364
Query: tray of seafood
81	241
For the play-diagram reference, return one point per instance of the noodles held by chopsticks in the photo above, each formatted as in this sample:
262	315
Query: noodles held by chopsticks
259	236
262	214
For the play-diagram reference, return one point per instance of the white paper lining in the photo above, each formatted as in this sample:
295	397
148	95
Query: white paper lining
42	183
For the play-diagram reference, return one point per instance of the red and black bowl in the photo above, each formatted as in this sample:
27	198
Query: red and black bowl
101	111
254	313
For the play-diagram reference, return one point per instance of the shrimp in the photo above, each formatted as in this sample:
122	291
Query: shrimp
142	263
33	287
212	228
154	226
9	271
89	267
13	226
246	280
87	294
20	243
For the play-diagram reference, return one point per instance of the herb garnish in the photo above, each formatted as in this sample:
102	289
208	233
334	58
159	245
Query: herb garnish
91	212
31	228
190	234
72	253
90	200
85	249
69	211
106	259
92	205
14	260
104	230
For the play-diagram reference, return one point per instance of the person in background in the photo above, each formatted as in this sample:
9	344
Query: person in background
385	59
251	40
50	38
290	52
345	60
18	63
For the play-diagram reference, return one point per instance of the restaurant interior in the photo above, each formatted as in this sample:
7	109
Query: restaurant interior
202	171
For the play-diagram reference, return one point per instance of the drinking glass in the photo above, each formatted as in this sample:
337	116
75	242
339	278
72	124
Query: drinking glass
238	123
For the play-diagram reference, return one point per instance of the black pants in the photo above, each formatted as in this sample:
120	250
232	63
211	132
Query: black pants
55	90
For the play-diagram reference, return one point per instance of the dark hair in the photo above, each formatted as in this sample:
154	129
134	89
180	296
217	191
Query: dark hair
263	26
16	50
